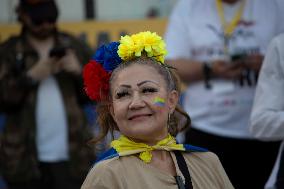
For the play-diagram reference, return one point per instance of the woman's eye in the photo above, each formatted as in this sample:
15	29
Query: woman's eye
121	94
149	90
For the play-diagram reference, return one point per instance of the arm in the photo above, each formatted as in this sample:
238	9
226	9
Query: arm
14	82
253	62
179	50
267	118
191	71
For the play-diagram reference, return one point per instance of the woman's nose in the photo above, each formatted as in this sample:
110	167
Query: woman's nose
136	102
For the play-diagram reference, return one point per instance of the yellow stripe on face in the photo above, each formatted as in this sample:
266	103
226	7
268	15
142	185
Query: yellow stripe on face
159	101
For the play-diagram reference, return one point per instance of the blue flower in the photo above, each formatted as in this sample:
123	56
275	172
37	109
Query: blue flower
107	56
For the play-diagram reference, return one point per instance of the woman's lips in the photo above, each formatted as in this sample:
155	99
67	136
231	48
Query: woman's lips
139	116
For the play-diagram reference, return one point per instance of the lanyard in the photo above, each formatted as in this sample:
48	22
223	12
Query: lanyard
228	28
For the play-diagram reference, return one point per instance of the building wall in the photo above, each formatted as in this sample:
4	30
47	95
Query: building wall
7	11
125	9
73	10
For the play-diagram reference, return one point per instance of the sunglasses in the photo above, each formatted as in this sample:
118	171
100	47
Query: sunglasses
40	21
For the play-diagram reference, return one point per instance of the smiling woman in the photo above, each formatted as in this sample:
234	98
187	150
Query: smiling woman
138	96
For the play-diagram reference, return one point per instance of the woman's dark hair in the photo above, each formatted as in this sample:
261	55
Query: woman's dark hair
179	120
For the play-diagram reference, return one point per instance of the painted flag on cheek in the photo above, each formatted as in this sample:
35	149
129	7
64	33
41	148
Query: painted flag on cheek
159	101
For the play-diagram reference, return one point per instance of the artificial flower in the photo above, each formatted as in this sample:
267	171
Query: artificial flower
107	56
96	81
135	45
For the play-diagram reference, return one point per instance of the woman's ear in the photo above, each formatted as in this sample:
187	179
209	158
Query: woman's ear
173	100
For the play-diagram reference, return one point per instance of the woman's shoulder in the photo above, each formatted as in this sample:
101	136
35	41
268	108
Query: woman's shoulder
207	163
208	156
111	165
205	154
101	172
200	155
106	165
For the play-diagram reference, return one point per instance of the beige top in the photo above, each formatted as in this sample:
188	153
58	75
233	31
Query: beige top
130	172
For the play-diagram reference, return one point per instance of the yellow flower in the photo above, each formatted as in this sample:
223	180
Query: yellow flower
125	49
134	45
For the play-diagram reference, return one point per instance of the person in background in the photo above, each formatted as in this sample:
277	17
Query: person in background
43	143
137	95
2	183
2	121
267	117
217	47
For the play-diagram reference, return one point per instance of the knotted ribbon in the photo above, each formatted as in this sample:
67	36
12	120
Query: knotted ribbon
124	146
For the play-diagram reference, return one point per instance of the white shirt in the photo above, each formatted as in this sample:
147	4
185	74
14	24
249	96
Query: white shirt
267	118
51	122
194	32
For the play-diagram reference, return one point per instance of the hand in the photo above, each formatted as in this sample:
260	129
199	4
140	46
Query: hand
226	70
253	62
70	63
43	68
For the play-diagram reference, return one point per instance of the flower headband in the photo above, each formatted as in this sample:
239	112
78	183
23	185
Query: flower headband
97	72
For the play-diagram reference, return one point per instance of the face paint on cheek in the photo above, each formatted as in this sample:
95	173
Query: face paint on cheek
159	101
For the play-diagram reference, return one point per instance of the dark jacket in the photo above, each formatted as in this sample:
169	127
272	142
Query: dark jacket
18	154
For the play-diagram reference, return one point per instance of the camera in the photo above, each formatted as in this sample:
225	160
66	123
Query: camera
236	57
57	52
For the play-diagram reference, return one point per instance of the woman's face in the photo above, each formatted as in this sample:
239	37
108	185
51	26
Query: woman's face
138	92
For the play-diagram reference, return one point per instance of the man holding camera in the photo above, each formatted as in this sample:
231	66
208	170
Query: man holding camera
217	47
43	144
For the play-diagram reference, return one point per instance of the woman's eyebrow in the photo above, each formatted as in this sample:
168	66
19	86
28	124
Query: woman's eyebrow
124	85
141	83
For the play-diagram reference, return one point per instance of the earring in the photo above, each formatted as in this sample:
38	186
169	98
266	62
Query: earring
169	121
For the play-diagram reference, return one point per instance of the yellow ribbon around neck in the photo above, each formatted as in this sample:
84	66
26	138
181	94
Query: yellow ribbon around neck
124	146
229	27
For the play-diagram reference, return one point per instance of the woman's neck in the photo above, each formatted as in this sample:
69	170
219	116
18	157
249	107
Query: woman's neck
153	140
160	155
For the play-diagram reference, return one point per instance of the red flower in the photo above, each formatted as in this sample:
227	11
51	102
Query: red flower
96	81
